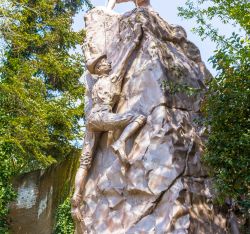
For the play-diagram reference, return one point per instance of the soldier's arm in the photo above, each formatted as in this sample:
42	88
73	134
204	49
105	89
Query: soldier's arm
125	59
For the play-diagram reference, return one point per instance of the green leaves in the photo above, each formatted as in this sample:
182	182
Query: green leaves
41	97
40	80
228	110
227	105
227	11
6	192
64	224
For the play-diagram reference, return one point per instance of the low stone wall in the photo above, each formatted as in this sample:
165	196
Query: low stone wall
38	195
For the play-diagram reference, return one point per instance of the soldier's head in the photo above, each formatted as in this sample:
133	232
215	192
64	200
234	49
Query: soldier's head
103	67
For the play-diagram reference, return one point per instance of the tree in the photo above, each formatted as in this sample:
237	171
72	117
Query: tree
227	105
40	92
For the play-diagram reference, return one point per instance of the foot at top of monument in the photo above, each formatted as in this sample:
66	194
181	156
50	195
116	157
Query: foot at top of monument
139	3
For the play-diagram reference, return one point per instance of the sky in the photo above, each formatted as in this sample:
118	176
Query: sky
168	11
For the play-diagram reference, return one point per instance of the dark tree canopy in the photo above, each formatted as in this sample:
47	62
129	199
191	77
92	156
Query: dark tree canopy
40	92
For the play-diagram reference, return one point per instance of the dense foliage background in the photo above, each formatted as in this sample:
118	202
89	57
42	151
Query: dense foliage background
40	92
227	105
64	224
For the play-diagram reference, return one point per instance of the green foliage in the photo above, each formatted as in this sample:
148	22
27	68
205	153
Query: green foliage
6	191
40	92
228	112
64	221
40	81
174	88
235	12
227	105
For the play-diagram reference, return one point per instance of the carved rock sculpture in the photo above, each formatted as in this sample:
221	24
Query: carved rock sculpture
163	188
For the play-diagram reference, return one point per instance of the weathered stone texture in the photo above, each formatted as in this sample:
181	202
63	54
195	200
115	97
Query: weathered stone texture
38	195
165	189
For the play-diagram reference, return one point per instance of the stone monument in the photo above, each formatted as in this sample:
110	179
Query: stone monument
140	170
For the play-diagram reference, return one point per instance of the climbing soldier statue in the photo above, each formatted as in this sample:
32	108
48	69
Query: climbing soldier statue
105	94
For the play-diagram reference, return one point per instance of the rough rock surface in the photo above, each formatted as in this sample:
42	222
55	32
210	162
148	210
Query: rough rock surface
165	189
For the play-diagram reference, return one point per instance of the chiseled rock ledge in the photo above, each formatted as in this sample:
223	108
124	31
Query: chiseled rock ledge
165	189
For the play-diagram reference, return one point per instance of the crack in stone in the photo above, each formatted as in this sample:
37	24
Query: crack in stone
157	201
170	107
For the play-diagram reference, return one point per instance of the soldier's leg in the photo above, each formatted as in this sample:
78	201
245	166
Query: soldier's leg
106	121
130	121
111	4
114	121
119	146
90	141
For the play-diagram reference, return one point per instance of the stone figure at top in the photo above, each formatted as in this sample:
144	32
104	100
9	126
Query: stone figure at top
138	3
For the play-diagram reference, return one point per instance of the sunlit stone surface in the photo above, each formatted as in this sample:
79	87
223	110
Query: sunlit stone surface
165	189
